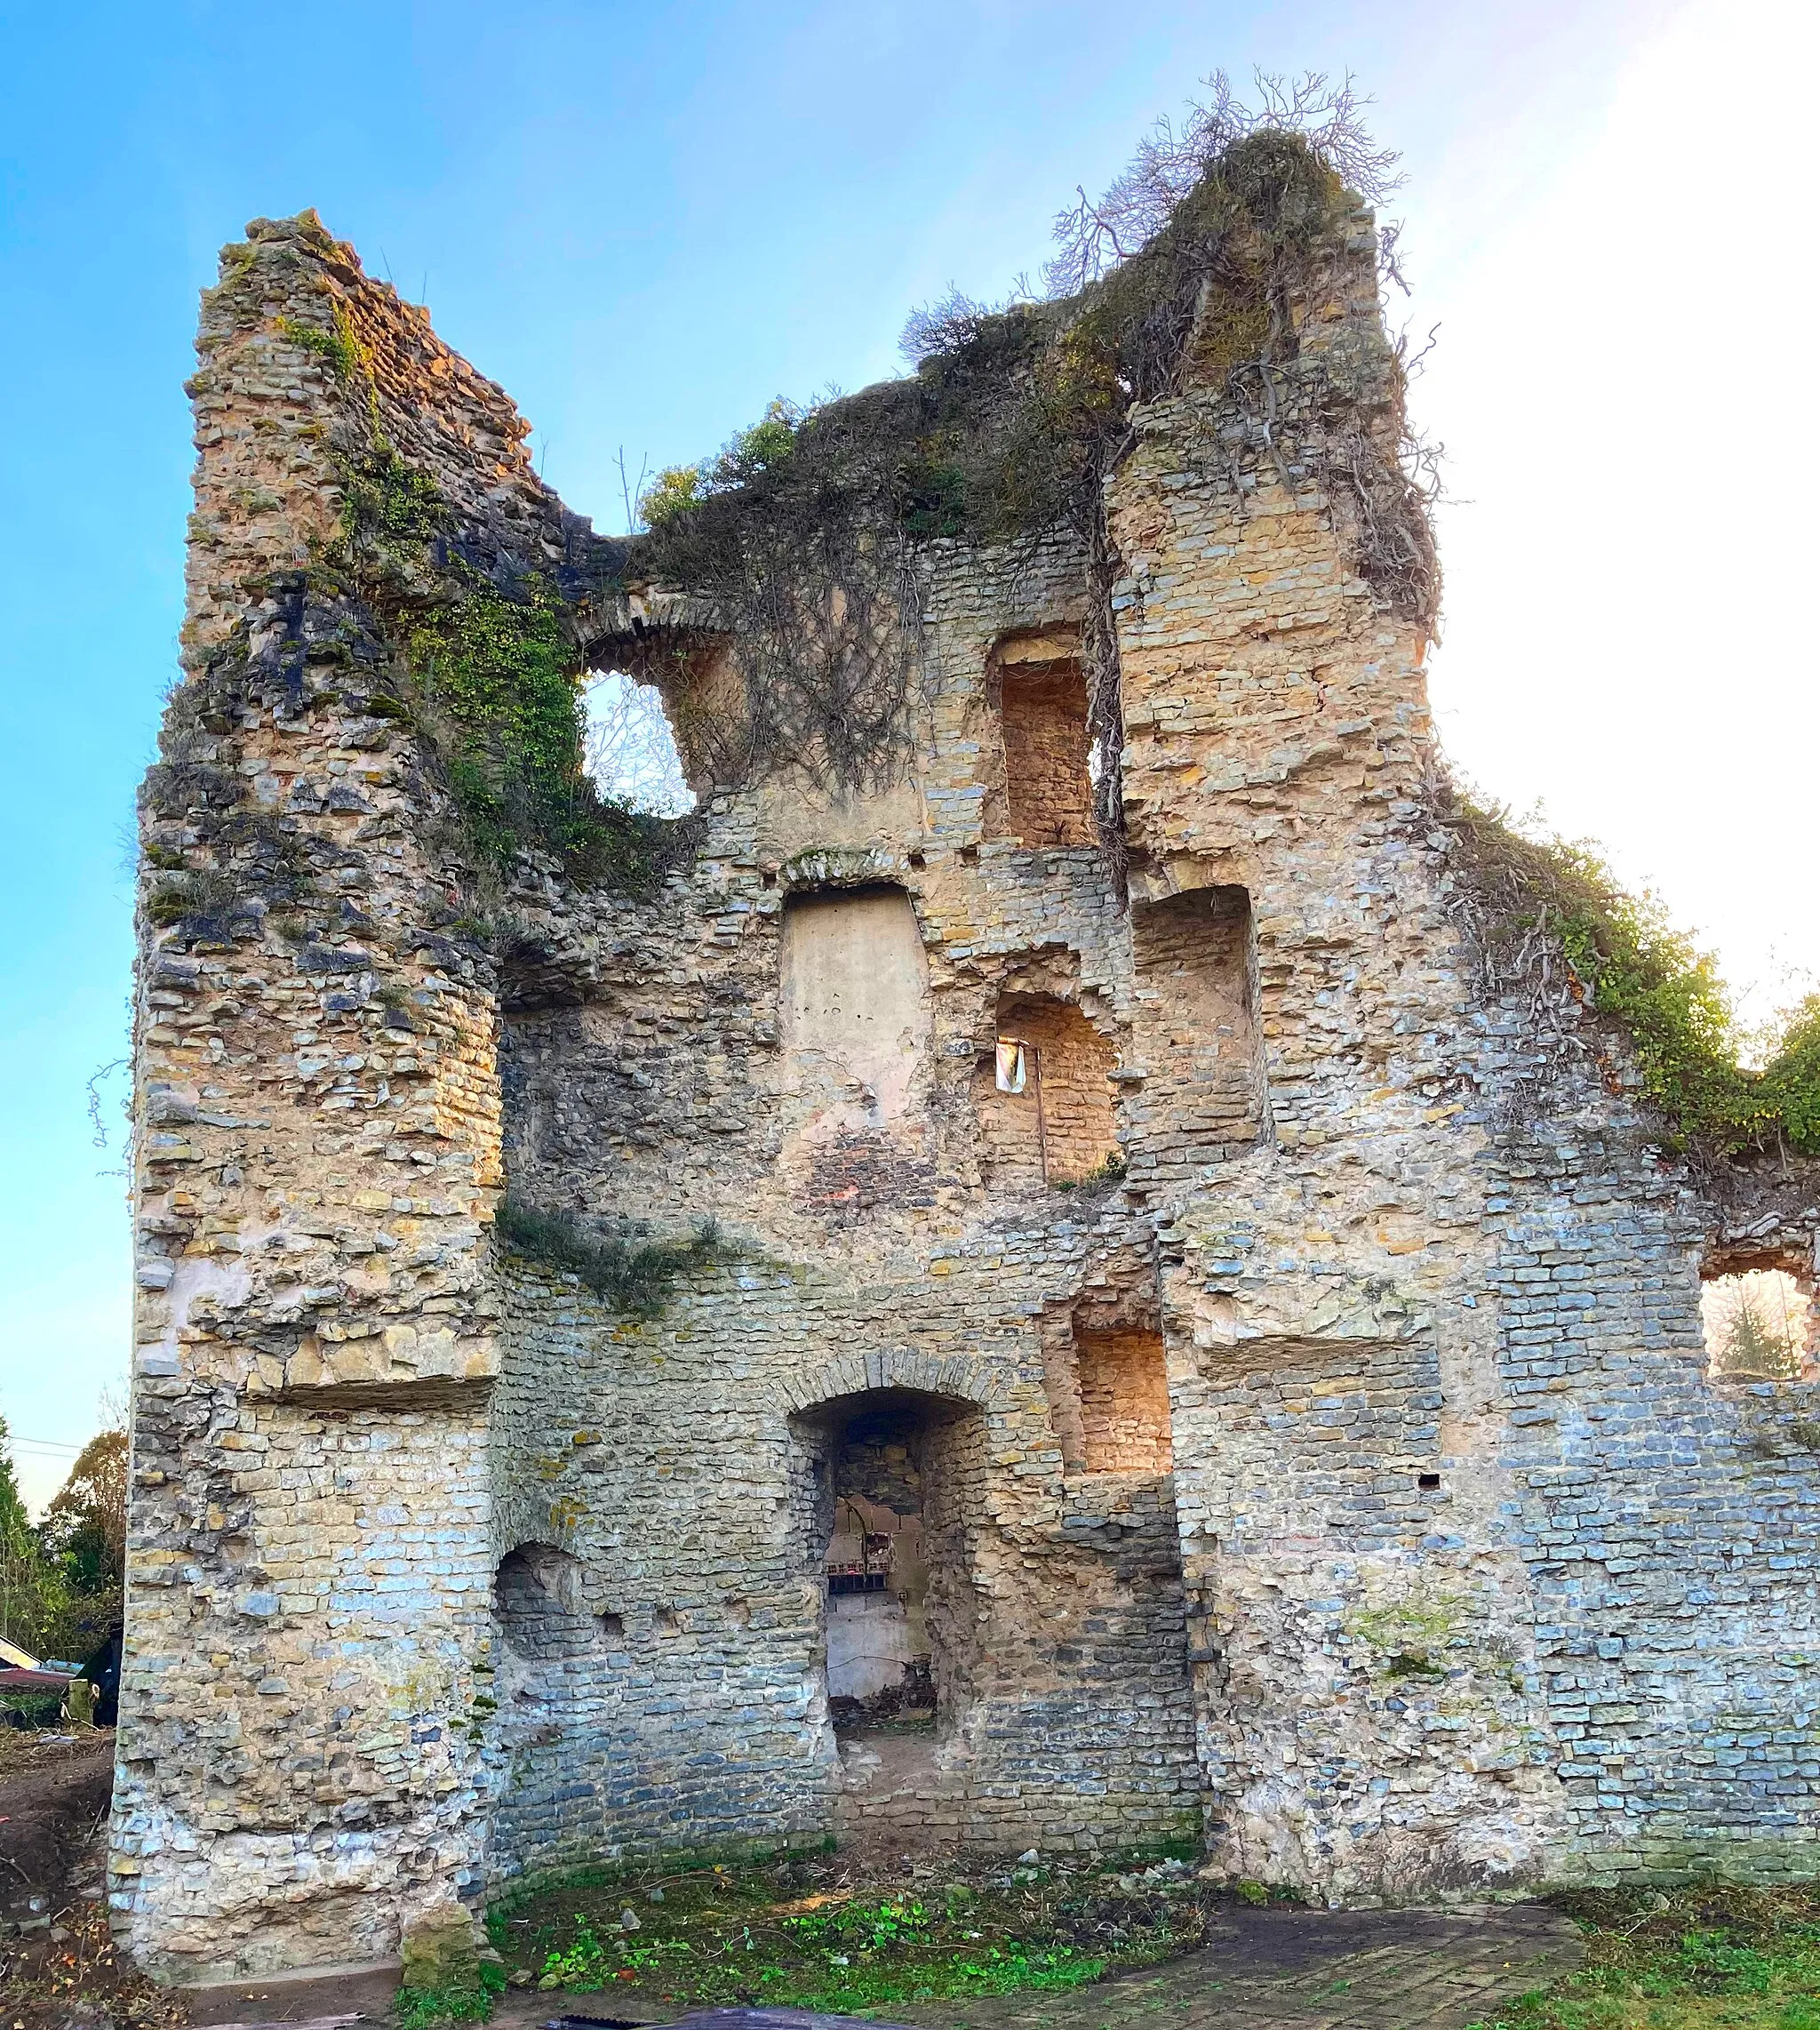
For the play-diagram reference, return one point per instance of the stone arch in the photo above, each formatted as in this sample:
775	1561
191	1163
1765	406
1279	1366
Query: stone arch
962	1380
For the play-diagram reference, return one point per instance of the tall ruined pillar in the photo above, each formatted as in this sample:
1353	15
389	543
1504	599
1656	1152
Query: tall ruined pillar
1317	1176
317	1147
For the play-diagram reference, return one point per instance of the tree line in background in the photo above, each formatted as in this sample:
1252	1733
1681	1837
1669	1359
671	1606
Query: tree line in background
60	1579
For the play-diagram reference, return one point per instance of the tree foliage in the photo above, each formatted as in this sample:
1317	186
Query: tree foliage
61	1580
85	1525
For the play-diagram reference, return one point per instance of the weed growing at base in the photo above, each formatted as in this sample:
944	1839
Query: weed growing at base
1708	1957
424	2007
808	1933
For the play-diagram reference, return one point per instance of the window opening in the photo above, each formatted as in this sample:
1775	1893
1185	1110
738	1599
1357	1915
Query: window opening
1047	1113
1757	1323
1042	718
630	750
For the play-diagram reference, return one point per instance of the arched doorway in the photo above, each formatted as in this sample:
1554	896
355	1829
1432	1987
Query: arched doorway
892	1479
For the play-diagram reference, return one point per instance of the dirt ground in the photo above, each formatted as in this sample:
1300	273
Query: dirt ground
58	1965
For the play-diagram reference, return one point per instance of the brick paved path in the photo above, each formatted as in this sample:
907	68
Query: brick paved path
1297	1969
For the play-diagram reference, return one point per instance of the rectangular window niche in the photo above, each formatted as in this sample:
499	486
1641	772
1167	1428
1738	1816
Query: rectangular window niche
1124	1395
1042	716
1203	1098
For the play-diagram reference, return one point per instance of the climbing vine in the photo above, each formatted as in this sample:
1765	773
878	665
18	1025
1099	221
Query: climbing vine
1552	926
493	684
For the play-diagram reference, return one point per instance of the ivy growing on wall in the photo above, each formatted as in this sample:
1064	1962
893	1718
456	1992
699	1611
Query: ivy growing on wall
1552	923
493	683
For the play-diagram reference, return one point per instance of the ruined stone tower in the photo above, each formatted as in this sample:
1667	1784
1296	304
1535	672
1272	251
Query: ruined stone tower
1102	1263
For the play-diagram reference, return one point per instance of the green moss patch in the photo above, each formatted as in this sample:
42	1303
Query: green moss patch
630	1274
465	2002
494	682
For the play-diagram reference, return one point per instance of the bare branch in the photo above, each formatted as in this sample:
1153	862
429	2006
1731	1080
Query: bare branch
630	751
1170	161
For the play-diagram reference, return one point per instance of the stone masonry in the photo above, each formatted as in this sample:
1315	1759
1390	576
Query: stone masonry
1333	1478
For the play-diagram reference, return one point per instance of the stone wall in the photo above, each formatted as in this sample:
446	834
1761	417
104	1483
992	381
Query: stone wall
308	1612
1341	1484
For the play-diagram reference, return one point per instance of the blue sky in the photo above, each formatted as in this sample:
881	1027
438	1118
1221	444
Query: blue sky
645	221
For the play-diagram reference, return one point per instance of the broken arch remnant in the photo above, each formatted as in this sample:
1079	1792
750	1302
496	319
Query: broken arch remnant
1278	1391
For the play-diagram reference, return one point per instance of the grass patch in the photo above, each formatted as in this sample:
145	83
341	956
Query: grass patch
630	1274
1109	1172
1709	1957
423	2008
819	1932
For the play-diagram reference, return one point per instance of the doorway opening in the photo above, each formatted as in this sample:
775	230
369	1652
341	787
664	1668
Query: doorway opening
891	1471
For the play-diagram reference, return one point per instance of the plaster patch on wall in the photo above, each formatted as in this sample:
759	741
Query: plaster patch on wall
856	1026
